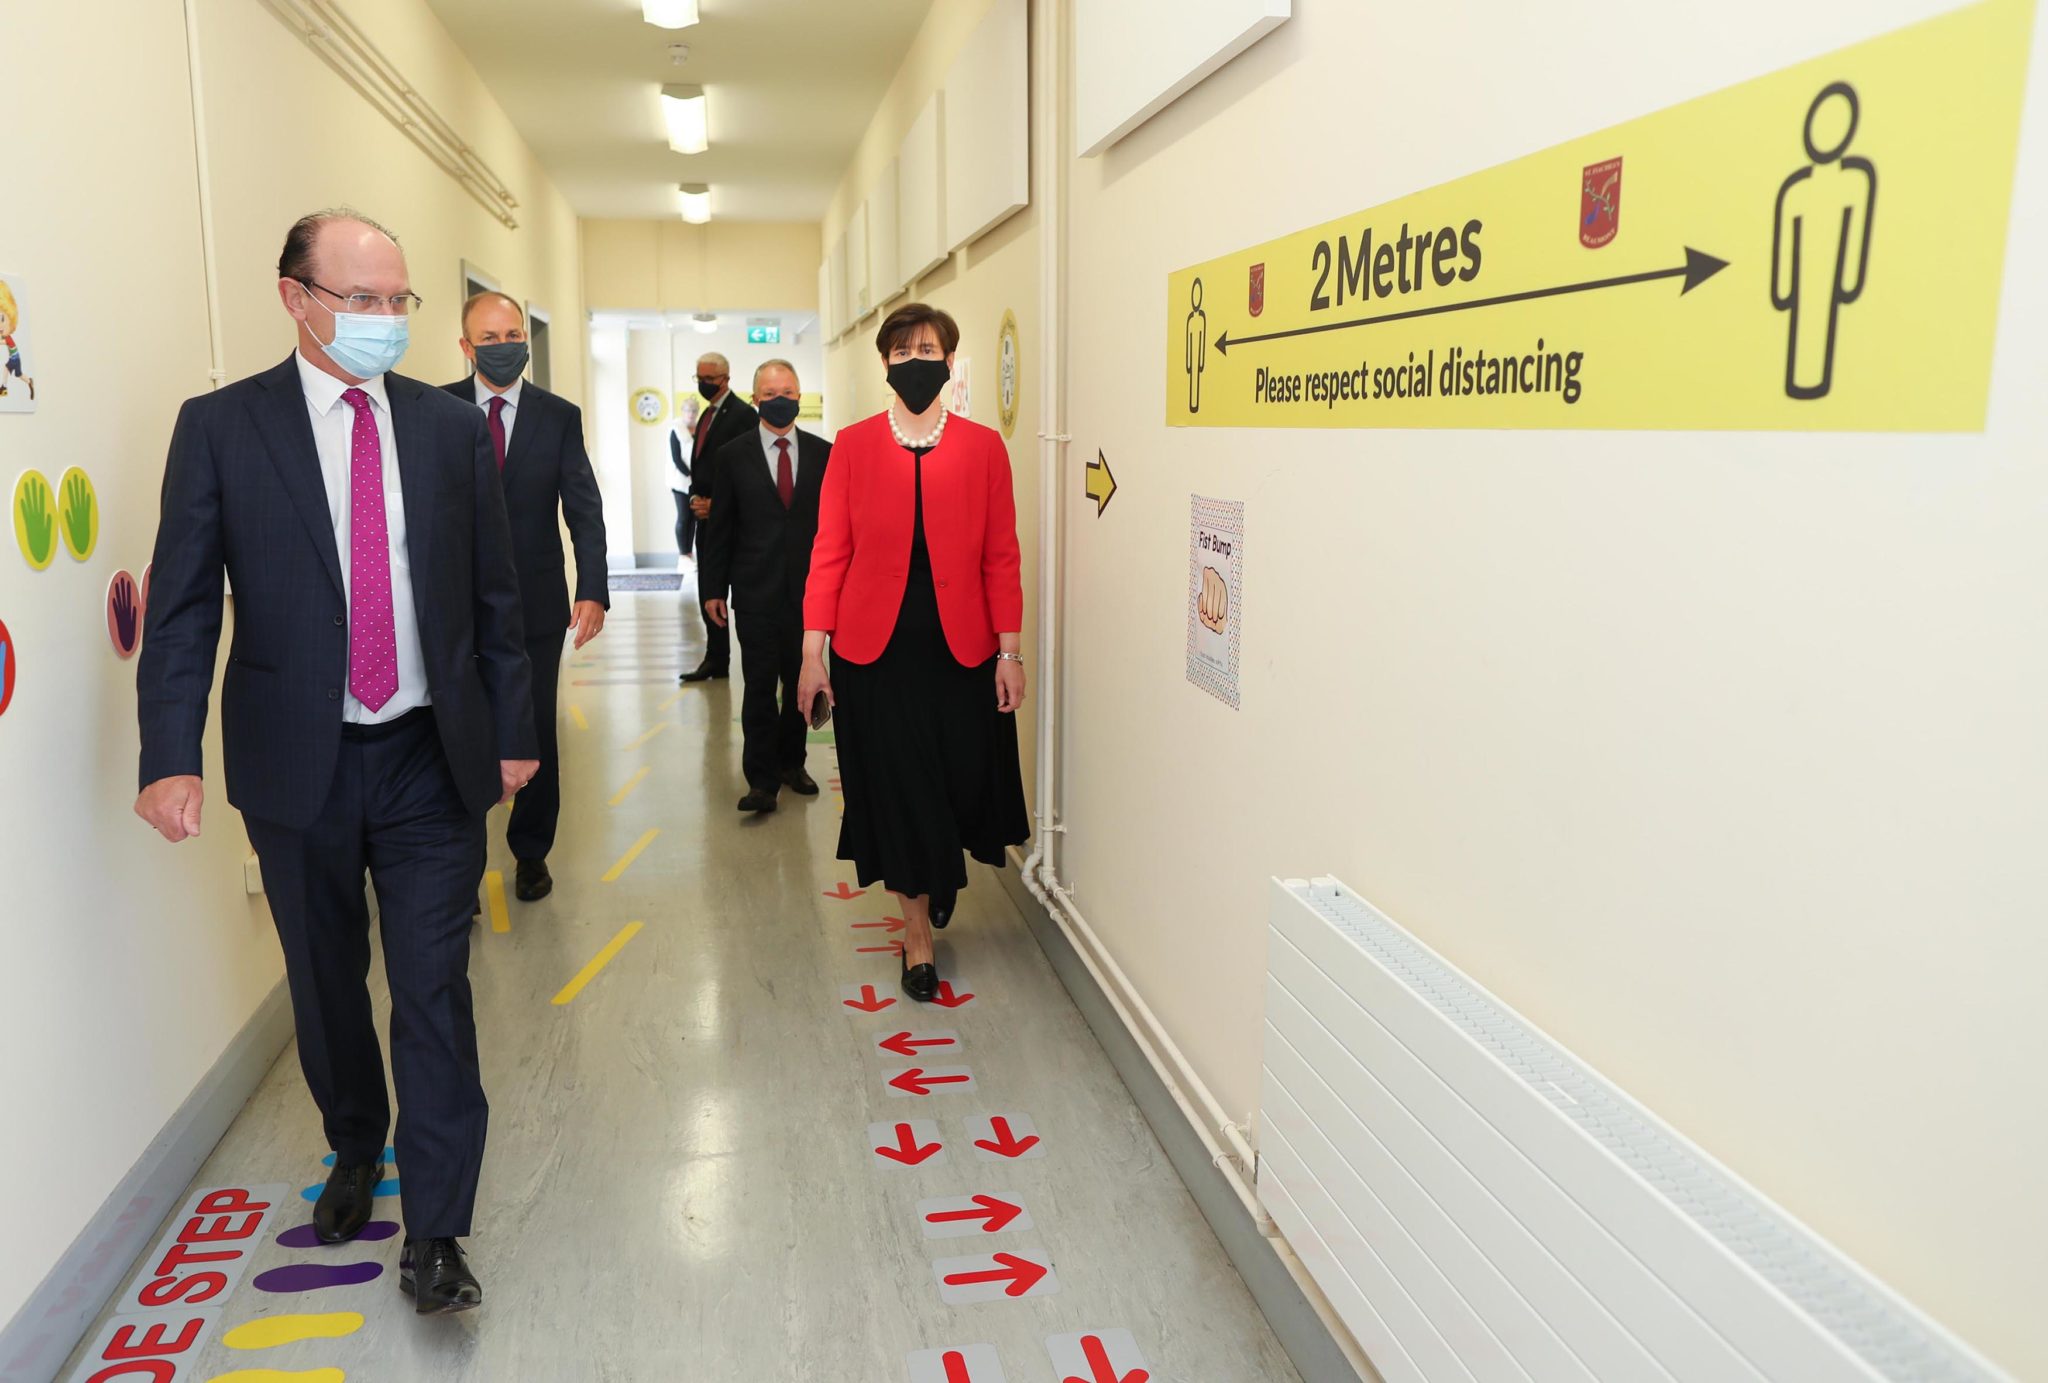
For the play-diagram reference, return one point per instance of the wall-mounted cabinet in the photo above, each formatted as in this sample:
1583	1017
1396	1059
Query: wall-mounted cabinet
988	126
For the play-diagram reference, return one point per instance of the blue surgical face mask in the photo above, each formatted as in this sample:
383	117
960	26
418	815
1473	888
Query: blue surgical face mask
366	344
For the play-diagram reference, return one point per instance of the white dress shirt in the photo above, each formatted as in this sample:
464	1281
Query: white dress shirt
768	441
511	397
333	436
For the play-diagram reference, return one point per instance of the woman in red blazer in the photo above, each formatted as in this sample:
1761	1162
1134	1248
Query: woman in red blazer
914	579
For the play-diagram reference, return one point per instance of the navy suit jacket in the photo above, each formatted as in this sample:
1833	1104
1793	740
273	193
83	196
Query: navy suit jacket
546	468
753	546
736	418
243	495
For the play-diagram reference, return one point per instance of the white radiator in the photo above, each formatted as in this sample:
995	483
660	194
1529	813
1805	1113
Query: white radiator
1478	1205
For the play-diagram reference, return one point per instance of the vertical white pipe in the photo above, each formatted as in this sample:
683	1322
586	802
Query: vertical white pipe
1048	156
217	370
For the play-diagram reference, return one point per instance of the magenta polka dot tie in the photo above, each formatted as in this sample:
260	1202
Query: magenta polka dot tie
372	637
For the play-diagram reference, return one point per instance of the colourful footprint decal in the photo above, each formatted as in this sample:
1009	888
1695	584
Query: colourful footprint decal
274	1331
281	1376
386	1187
313	1277
303	1237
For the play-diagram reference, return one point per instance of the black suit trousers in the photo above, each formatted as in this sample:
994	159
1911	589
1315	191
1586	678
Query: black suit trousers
686	523
394	810
717	641
535	812
771	660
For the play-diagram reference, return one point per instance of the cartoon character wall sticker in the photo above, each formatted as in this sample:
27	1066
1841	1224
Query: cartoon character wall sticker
17	386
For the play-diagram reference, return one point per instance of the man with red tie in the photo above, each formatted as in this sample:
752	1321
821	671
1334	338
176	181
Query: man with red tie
537	438
724	418
757	554
376	704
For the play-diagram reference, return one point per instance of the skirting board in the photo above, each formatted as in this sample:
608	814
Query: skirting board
1317	1357
36	1343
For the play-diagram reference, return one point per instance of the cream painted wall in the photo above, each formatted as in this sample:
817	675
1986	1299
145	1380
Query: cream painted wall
132	964
997	273
639	266
1719	756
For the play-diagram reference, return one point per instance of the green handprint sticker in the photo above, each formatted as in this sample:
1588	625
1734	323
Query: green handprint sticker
35	519
81	514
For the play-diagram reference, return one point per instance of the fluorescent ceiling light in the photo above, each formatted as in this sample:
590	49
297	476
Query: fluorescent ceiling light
693	199
669	14
683	108
706	322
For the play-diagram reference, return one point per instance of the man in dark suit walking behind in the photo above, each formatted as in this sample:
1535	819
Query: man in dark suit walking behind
757	551
376	704
724	418
537	438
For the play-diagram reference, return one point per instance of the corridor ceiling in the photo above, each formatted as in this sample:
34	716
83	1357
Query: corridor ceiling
791	84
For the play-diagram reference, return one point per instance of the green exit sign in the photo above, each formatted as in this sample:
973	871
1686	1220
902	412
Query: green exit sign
770	335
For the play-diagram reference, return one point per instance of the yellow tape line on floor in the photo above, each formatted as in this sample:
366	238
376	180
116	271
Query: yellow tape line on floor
626	860
598	963
494	899
650	734
631	783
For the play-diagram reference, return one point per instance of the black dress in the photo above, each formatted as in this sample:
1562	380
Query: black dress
928	764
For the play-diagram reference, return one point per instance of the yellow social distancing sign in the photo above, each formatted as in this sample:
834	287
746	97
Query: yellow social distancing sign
1819	248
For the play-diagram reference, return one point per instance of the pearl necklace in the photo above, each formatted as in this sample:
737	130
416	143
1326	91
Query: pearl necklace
930	441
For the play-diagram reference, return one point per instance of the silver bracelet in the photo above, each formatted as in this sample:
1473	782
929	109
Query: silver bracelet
1009	657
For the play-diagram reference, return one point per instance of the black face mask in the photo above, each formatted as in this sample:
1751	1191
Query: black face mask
918	382
779	412
501	362
710	389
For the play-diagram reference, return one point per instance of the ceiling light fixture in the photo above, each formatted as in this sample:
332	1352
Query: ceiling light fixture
693	199
689	130
669	14
706	322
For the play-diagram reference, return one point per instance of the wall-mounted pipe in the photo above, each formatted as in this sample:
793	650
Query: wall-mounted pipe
217	368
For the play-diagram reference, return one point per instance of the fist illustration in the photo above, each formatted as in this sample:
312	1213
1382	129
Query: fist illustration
1214	606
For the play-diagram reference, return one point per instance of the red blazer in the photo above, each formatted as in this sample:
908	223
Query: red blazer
861	561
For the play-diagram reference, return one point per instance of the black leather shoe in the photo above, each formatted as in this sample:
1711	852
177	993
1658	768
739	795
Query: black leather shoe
344	1207
436	1275
705	672
920	982
758	800
799	781
532	882
942	901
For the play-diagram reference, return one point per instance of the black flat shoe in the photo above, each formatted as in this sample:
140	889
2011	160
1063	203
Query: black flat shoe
800	782
436	1275
704	672
942	902
532	882
344	1207
920	982
758	800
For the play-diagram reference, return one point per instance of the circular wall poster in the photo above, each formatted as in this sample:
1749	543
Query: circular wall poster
7	668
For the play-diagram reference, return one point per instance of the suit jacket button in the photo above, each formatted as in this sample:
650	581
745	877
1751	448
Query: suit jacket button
339	621
333	695
942	582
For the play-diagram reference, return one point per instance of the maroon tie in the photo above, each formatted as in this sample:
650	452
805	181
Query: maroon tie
785	478
498	428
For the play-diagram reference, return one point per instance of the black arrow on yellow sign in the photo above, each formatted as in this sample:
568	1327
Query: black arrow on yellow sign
1697	269
1101	484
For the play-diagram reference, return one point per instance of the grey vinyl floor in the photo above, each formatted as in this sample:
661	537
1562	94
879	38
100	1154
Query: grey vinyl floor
682	1182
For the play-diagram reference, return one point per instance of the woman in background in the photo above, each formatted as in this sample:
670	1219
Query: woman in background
915	580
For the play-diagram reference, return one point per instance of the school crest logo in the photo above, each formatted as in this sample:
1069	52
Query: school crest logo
1258	289
1600	203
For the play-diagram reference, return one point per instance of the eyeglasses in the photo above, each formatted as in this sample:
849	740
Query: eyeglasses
398	305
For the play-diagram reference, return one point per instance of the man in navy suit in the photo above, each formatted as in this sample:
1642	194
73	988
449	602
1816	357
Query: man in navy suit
537	439
377	702
757	556
724	418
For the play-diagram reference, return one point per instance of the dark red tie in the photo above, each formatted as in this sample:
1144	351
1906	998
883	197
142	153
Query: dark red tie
785	478
498	428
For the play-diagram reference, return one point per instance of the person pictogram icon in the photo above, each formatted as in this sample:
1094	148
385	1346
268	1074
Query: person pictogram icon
1820	246
1196	355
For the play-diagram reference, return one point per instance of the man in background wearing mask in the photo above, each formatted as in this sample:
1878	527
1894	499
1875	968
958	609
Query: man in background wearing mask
376	704
537	440
757	549
724	418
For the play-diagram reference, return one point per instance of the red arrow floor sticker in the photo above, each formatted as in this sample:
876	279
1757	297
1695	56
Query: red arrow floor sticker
912	1045
907	1143
844	892
891	925
953	994
946	1080
893	948
993	1277
1005	1138
960	1364
956	1217
1098	1356
865	998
